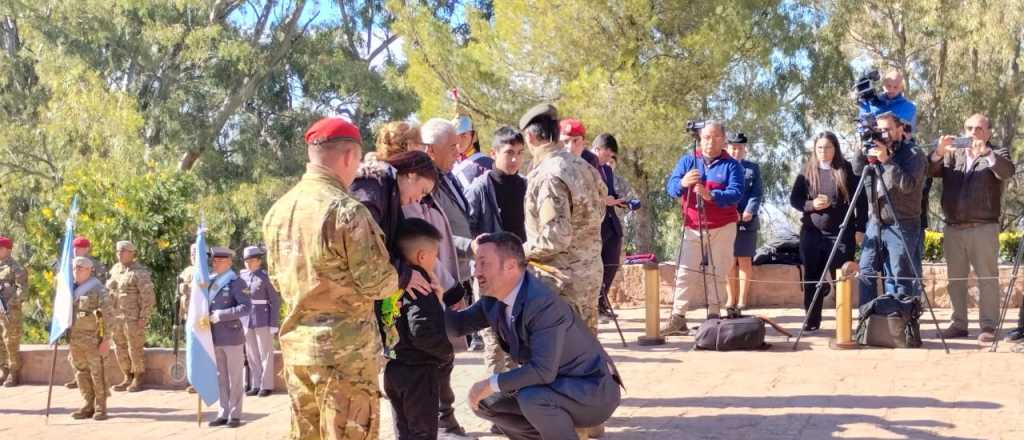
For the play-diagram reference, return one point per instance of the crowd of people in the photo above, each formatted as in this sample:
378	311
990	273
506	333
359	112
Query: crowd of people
389	265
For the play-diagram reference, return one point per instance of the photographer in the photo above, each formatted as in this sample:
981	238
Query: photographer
902	173
974	177
890	101
712	175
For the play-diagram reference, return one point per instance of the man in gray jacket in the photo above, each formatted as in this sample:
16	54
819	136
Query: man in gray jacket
263	322
228	306
974	178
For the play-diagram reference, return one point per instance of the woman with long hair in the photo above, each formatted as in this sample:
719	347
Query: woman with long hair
822	193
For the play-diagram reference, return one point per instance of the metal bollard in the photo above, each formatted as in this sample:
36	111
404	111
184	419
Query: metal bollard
652	306
844	312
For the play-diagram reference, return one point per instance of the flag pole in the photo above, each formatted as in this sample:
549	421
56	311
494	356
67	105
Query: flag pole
49	392
199	410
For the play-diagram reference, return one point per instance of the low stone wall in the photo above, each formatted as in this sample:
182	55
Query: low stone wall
37	359
780	287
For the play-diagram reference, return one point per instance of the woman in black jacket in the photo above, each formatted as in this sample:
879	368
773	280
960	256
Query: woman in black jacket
383	186
822	194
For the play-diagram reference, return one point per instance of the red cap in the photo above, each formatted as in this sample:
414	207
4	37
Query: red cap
572	127
6	242
331	130
81	242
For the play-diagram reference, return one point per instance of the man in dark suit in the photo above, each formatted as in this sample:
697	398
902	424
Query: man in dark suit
564	381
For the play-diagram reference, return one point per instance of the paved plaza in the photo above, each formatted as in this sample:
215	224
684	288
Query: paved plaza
672	393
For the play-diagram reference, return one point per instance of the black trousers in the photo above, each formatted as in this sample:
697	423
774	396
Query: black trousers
446	396
814	249
611	256
413	392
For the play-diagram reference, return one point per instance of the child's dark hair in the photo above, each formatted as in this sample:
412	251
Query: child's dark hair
413	231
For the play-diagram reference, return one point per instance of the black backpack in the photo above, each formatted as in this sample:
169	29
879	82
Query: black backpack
890	321
741	333
784	248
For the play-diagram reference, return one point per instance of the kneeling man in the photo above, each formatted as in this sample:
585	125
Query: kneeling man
564	381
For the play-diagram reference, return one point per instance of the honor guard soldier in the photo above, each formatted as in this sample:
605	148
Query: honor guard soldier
89	339
131	285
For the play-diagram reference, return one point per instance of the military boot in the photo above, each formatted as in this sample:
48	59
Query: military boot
124	384
101	409
71	385
676	326
12	378
86	412
136	384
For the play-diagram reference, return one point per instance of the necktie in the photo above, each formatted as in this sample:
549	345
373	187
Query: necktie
506	332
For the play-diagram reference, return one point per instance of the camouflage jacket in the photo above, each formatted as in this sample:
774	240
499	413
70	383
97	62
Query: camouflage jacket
326	257
133	291
13	284
93	307
564	210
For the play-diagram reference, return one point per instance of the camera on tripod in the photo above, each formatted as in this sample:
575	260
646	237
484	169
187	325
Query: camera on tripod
865	88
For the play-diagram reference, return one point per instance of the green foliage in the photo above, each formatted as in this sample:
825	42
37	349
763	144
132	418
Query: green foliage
1008	243
932	246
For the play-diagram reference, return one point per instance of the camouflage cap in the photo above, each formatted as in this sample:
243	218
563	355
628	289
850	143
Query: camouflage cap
537	111
82	262
125	245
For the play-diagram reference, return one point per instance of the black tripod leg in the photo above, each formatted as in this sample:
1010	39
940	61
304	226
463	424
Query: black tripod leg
1009	294
913	267
607	305
831	257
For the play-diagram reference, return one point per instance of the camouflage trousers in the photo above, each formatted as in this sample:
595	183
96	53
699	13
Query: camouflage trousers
129	340
580	292
10	340
495	359
337	402
88	365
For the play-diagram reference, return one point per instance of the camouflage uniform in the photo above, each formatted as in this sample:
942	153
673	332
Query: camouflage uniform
185	291
134	298
92	307
326	256
99	271
13	290
564	210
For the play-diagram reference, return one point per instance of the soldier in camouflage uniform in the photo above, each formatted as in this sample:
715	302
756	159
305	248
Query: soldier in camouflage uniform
89	339
326	257
82	248
131	285
564	210
13	290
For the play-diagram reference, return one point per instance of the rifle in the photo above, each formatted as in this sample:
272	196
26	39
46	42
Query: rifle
177	369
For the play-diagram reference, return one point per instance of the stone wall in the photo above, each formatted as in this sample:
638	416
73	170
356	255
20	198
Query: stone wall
37	359
781	289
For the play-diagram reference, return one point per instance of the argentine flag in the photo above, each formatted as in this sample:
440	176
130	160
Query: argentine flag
62	299
200	360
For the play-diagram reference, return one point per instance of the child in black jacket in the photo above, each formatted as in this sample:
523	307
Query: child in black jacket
411	378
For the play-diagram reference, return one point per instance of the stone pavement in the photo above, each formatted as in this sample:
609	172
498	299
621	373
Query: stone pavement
672	393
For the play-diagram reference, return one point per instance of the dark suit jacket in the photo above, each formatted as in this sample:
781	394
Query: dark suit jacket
555	346
232	304
260	289
611	226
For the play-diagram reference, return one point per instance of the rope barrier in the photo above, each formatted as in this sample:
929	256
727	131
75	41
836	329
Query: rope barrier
862	277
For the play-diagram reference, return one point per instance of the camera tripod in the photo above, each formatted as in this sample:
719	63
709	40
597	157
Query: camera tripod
1009	291
706	256
872	171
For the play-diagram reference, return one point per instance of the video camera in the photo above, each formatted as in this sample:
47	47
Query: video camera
694	127
865	88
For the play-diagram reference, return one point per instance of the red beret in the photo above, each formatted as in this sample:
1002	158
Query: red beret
572	127
6	242
81	242
331	130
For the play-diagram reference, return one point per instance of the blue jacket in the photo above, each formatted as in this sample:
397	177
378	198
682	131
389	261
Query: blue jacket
266	302
753	191
724	177
232	304
899	105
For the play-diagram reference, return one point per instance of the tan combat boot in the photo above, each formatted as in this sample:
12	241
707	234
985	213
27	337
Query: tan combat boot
71	385
101	409
84	413
136	384
124	384
676	326
12	378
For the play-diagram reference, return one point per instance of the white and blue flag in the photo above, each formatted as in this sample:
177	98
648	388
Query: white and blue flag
62	299
200	360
